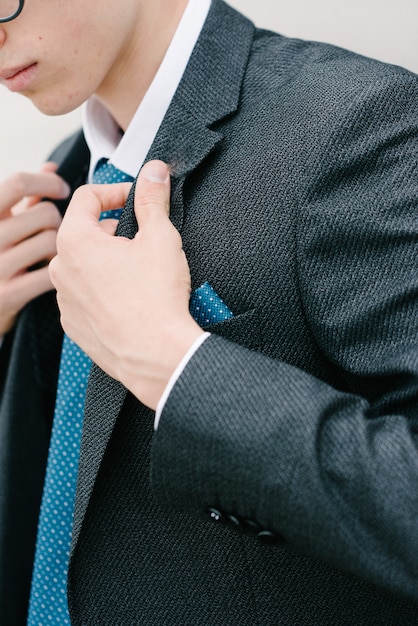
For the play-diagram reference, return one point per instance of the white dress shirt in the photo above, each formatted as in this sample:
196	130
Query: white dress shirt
127	152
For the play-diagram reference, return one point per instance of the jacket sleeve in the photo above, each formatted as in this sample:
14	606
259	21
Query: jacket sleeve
332	472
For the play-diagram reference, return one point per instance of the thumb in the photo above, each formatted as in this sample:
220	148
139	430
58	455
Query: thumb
152	193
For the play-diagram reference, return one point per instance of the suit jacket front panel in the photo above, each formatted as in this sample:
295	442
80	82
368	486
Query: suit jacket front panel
334	287
253	253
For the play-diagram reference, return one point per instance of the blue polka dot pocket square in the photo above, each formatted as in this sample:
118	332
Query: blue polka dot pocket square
207	307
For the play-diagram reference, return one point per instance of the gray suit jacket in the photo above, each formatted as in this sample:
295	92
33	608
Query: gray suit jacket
281	485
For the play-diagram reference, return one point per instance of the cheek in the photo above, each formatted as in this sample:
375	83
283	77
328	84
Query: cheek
73	62
82	60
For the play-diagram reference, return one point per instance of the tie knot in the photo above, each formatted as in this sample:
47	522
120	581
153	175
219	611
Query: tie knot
106	174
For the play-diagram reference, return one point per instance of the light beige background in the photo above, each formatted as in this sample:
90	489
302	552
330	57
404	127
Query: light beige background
383	29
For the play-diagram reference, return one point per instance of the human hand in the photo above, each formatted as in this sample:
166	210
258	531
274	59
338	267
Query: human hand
28	229
126	302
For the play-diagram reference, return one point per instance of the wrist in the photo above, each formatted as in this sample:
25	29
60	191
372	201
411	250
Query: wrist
152	377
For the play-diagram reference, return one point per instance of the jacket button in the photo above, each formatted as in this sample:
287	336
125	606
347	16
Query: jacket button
250	527
215	515
233	523
267	537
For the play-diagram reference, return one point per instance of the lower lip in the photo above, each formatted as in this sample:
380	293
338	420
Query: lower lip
21	80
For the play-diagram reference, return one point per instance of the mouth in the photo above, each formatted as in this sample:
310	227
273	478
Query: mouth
18	78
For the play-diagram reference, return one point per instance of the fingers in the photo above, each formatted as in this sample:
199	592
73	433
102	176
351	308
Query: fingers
28	231
18	285
152	194
16	294
17	228
18	186
29	201
32	251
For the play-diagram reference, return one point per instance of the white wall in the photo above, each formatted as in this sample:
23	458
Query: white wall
383	29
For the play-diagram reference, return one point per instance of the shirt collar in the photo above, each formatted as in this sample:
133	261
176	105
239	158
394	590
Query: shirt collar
127	152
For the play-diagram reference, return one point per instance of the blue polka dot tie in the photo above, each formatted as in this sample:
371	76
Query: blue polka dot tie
48	601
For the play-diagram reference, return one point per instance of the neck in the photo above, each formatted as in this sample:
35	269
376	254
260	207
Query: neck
125	86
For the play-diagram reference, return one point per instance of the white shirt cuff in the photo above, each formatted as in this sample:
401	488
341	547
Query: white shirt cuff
176	375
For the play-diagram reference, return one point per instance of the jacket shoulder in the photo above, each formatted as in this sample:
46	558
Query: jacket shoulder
314	67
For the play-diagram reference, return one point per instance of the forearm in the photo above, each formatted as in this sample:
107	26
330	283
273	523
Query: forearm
265	441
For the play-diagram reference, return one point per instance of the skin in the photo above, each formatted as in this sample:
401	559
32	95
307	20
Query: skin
112	52
28	230
126	284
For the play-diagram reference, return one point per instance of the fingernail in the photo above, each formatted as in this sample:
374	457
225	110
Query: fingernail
156	171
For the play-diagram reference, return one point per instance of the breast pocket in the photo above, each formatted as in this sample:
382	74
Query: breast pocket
243	329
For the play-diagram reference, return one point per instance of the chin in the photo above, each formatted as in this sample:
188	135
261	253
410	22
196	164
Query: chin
56	105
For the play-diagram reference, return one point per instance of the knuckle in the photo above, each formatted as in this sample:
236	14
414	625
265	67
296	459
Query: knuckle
80	192
61	238
152	201
53	269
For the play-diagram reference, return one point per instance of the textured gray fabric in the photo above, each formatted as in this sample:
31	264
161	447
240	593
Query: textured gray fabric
295	192
290	204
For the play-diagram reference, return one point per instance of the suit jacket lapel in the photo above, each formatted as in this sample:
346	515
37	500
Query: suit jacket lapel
208	92
183	144
73	157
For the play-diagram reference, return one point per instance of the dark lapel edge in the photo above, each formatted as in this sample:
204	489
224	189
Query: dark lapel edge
209	91
73	158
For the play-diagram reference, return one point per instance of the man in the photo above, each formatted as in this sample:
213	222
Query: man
265	473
